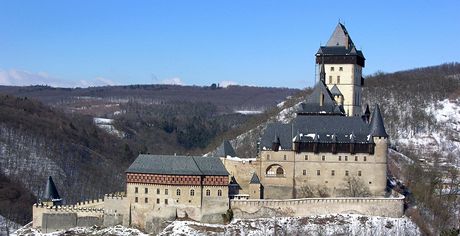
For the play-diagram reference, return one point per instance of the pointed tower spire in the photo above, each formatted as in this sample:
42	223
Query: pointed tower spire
51	193
322	72
276	143
377	127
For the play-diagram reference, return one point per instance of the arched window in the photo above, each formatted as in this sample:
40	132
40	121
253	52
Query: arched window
178	192
280	171
192	192
219	192
275	170
208	192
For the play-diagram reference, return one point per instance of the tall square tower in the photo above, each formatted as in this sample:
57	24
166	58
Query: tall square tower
342	64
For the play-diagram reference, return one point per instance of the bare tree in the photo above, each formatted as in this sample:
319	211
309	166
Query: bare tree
355	187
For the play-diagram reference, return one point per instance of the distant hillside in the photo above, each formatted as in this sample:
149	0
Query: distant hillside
104	101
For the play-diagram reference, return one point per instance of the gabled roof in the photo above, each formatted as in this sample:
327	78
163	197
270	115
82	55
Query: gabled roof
335	90
340	37
225	149
254	179
51	193
177	165
312	106
377	127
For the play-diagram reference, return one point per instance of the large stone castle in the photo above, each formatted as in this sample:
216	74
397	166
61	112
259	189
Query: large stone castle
330	142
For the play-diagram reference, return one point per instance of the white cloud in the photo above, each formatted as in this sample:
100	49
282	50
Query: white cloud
174	81
14	77
227	83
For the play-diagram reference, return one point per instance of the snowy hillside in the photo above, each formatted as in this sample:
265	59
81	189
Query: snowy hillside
317	225
443	140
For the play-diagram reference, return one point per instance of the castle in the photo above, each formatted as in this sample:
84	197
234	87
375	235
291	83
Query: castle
330	143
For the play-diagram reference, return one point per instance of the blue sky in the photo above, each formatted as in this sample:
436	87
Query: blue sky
263	43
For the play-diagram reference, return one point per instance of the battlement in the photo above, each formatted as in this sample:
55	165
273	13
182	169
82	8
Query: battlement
117	195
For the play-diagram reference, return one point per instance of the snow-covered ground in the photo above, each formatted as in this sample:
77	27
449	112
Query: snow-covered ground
107	125
445	139
249	112
315	225
7	226
113	231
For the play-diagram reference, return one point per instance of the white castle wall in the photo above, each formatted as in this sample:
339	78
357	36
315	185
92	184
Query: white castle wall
386	207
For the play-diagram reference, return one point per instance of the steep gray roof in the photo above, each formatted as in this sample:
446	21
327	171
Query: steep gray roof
321	128
340	43
340	37
312	104
177	165
225	149
335	90
51	193
377	127
254	179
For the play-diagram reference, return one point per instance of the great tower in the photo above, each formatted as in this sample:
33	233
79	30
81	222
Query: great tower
343	65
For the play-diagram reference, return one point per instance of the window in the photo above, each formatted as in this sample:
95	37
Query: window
356	158
306	157
136	190
219	192
338	79
146	200
340	68
268	156
346	173
370	182
359	173
158	201
136	199
304	172
158	191
284	157
346	158
332	172
166	191
364	158
208	192
323	158
340	158
332	68
146	190
166	201
192	192
279	171
330	79
178	192
318	172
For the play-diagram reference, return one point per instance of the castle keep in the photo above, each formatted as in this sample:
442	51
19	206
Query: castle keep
331	144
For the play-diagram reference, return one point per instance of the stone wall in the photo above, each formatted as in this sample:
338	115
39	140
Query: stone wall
53	218
249	209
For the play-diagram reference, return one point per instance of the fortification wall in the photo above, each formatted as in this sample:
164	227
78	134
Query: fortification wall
53	218
387	207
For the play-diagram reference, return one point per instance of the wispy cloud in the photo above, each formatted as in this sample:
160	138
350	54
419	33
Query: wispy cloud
16	77
174	81
227	83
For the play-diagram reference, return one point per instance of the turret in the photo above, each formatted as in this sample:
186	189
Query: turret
378	133
255	187
51	196
296	142
367	114
276	143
